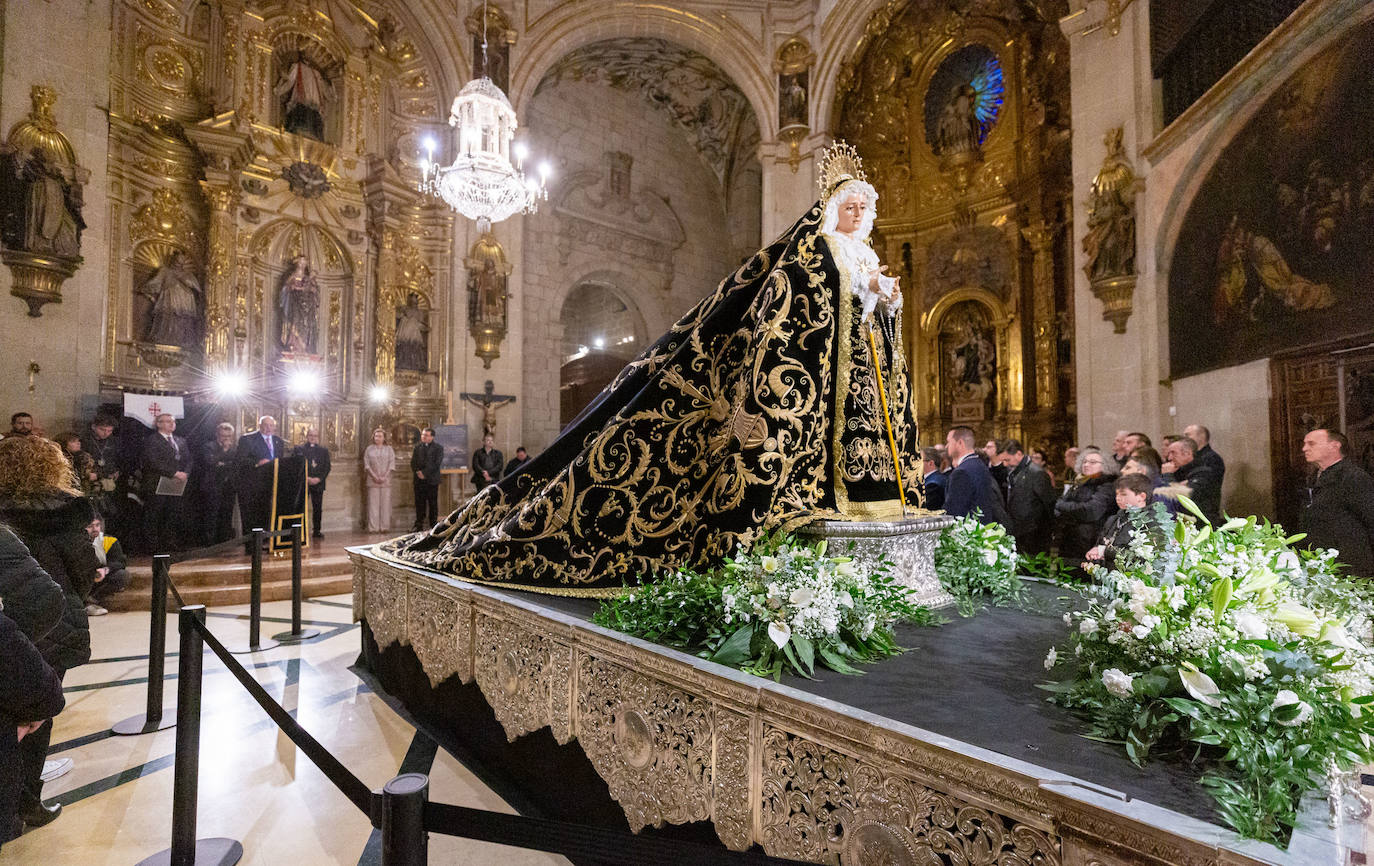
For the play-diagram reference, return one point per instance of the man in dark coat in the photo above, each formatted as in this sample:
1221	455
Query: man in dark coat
215	483
30	695
255	451
520	459
935	480
1202	478
1030	499
1203	437
970	483
426	464
165	456
1339	511
486	463
100	442
316	471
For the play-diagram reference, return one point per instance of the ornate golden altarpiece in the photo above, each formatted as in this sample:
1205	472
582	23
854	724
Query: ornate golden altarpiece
200	164
980	235
678	740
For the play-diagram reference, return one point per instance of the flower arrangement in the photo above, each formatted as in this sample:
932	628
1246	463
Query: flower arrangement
975	561
780	606
1230	639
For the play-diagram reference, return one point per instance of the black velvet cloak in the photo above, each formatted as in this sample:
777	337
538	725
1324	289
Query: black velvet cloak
757	411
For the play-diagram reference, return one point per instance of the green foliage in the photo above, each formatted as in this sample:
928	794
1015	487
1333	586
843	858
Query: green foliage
782	606
1227	644
1044	566
975	563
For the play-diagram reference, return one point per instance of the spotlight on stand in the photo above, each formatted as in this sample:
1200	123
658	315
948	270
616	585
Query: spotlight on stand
304	383
380	394
230	385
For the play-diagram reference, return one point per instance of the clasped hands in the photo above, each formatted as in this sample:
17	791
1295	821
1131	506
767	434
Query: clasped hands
889	296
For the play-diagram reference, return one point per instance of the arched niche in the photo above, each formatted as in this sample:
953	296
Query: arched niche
603	330
963	366
272	252
302	62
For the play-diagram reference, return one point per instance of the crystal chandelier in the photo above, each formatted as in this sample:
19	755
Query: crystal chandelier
481	183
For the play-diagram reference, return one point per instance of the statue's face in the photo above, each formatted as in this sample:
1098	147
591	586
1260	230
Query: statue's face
851	215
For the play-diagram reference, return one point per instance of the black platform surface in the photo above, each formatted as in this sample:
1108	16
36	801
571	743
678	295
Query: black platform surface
974	680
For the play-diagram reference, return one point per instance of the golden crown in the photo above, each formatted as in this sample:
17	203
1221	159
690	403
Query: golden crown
839	162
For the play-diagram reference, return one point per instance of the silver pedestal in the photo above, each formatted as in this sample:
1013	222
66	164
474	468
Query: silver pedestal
909	544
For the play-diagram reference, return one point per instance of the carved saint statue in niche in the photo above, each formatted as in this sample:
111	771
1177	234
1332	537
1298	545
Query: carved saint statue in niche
174	296
42	210
1109	245
792	99
299	306
969	361
487	292
304	92
412	336
959	130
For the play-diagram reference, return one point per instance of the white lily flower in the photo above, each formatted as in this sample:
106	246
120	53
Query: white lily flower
990	557
801	596
1119	683
1199	685
779	633
844	599
1249	624
1051	658
1087	626
846	568
1141	632
1286	698
769	563
1299	619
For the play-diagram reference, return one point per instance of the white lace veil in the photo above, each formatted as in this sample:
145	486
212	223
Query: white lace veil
846	190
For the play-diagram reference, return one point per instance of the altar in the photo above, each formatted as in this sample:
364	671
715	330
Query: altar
948	753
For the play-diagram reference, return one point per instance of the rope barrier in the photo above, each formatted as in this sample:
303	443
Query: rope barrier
348	784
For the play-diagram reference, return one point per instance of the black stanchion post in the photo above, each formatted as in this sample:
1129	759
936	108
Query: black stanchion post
152	719
404	841
186	849
255	642
297	633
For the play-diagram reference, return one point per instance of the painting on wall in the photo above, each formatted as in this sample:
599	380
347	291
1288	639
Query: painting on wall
1274	252
968	363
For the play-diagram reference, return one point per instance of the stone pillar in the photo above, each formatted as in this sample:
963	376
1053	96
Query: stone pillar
1111	85
788	194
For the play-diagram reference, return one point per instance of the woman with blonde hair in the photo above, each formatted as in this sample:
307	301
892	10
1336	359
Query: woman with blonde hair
379	461
41	501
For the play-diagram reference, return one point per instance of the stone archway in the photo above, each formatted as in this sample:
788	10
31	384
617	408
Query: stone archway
603	330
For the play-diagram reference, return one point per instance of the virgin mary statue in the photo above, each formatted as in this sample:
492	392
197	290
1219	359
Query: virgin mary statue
760	410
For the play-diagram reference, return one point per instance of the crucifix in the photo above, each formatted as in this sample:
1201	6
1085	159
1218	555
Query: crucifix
490	403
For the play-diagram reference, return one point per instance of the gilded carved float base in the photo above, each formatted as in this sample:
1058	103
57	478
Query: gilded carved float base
680	740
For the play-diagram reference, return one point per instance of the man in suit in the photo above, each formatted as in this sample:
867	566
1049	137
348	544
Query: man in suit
165	456
970	483
255	451
426	462
1203	437
316	471
1030	498
935	480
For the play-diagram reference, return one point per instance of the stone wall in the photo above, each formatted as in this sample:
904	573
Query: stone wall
572	241
63	44
1123	379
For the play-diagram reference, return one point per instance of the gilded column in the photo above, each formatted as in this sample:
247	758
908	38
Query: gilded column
385	367
219	273
1045	321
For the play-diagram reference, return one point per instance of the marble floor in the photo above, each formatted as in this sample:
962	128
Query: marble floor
255	786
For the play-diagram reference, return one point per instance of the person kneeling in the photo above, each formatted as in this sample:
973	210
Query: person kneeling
1133	493
113	574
